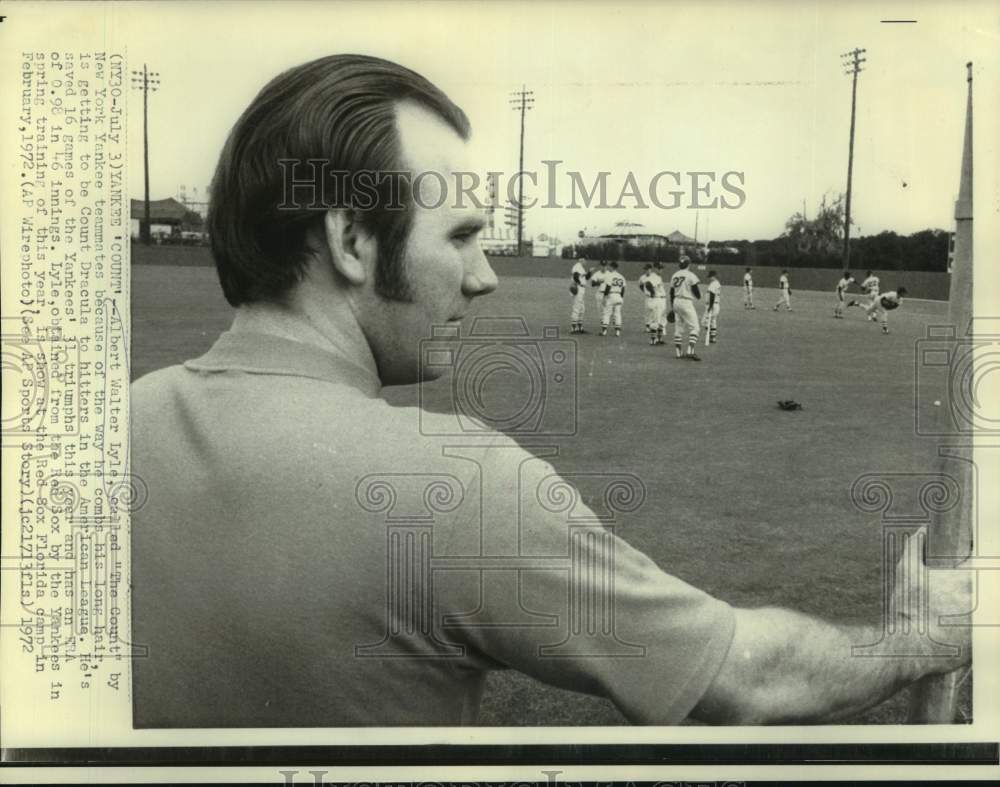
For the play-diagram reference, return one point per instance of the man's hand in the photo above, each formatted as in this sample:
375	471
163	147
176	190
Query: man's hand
921	596
785	667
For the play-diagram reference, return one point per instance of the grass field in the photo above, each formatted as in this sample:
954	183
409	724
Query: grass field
744	500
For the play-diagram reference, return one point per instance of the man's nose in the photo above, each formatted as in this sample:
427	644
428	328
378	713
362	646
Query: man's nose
479	278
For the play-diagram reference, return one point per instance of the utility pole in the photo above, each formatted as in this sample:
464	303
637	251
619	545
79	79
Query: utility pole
852	66
145	81
521	100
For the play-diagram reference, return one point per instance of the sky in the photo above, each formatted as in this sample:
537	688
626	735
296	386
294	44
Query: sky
640	87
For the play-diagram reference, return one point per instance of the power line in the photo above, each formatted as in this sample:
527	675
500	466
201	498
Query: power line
145	81
852	66
521	101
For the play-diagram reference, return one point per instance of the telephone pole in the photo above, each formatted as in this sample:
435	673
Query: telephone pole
521	100
852	66
145	81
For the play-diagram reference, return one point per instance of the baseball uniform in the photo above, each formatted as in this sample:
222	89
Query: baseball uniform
784	293
614	296
711	318
683	286
842	285
580	277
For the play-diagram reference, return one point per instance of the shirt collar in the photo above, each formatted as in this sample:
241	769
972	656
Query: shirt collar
264	353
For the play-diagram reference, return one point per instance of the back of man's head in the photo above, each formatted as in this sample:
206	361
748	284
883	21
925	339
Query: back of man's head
317	124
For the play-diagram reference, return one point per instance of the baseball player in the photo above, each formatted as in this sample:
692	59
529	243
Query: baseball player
880	307
684	293
649	310
748	290
845	281
784	292
580	278
614	296
597	281
870	286
711	317
659	302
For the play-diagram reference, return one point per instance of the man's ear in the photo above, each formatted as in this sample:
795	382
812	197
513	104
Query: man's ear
353	249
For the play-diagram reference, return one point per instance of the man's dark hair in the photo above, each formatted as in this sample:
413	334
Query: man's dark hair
340	110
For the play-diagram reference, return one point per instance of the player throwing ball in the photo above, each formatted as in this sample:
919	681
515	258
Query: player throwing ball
580	278
711	317
784	292
870	286
614	297
684	293
748	290
880	307
845	281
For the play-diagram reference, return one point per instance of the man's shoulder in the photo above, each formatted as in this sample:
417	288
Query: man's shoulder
156	385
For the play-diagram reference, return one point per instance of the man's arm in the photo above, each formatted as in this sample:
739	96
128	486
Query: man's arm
785	667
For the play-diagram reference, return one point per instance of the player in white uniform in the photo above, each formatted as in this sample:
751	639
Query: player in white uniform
870	286
659	298
597	281
684	293
886	302
711	317
649	310
845	281
580	278
748	290
784	292
614	296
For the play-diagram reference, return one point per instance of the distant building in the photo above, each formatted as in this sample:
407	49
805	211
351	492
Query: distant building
638	235
544	246
678	238
169	221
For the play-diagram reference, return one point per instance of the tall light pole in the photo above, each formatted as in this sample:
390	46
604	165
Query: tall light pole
521	100
145	81
852	65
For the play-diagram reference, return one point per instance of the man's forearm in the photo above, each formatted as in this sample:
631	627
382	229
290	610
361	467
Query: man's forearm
786	667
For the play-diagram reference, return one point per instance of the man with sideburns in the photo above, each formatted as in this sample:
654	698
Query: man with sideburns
258	563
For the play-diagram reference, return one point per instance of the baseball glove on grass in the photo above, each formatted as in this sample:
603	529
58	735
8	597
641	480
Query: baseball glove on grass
789	404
